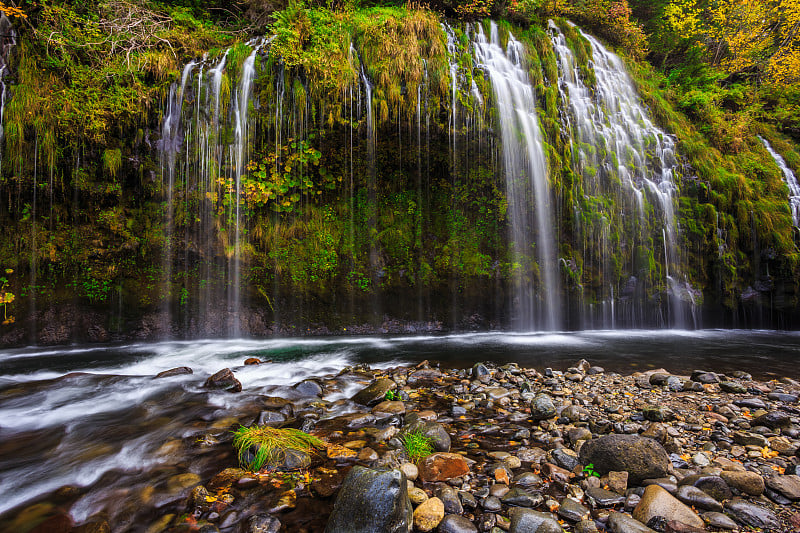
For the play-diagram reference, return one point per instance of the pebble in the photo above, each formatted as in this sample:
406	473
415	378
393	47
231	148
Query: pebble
428	514
512	444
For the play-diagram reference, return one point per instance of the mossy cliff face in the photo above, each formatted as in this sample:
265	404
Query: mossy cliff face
360	180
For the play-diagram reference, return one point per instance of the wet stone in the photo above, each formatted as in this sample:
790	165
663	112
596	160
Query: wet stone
719	520
751	403
442	466
694	497
750	439
179	371
704	377
270	418
262	524
714	486
529	521
641	457
468	500
733	387
491	504
744	481
565	458
542	407
224	380
572	510
456	524
308	388
658	502
751	514
527	480
782	397
604	498
375	392
788	486
773	420
429	514
449	497
372	501
622	523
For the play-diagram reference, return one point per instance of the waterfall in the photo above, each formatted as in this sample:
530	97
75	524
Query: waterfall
790	179
525	171
620	153
8	40
204	151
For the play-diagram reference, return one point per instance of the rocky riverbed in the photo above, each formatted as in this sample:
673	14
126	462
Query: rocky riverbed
516	450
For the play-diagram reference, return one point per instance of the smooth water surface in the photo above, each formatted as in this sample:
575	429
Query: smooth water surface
95	417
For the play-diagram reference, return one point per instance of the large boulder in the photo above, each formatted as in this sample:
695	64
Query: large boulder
641	457
372	501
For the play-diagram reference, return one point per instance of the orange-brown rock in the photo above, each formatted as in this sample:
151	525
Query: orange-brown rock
442	466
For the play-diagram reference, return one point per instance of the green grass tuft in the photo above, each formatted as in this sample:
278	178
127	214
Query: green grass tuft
418	445
271	445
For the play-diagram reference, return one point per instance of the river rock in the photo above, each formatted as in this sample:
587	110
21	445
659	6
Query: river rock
788	486
622	523
442	466
702	376
603	497
224	380
658	502
750	439
181	370
542	407
372	501
694	497
529	521
773	420
439	438
375	392
733	387
481	373
308	388
429	514
751	514
454	523
719	520
714	486
449	497
572	510
261	523
641	457
744	481
522	498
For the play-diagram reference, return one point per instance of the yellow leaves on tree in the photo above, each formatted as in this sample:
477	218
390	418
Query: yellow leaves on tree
784	65
11	11
760	36
743	27
684	18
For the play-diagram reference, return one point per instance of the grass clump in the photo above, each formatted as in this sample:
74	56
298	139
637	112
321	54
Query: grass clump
271	445
417	445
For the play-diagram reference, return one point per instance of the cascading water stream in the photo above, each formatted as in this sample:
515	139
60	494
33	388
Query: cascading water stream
616	141
202	174
790	179
525	171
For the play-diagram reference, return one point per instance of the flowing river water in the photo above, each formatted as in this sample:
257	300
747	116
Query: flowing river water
92	423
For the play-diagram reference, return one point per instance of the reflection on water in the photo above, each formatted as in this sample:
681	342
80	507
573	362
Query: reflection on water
95	416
